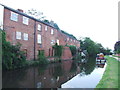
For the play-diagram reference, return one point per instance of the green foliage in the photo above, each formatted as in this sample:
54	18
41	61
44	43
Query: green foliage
46	21
77	57
92	47
70	35
58	71
73	67
110	78
57	50
88	67
12	57
41	69
117	47
56	26
73	49
31	63
41	57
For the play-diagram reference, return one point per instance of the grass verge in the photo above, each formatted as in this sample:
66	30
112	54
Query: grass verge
110	77
116	56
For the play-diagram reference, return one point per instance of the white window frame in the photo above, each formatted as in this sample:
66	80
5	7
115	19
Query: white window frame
39	39
52	31
14	16
52	42
46	28
25	36
25	20
18	35
67	39
58	42
1	16
39	27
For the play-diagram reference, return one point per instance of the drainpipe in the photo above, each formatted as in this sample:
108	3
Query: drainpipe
34	40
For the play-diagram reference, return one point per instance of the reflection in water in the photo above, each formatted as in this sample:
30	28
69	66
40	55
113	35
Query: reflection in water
73	67
88	67
100	64
91	77
50	76
58	71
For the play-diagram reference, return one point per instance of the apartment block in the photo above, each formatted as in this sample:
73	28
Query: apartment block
33	34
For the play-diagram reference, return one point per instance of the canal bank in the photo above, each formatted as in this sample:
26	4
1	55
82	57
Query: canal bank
110	77
87	79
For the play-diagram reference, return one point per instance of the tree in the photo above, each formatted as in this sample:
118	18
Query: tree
108	51
117	47
89	45
58	49
39	15
36	14
46	21
73	49
92	47
12	57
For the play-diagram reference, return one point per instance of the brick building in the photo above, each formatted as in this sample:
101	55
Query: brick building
33	34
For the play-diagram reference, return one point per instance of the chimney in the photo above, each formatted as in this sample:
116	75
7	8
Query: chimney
20	10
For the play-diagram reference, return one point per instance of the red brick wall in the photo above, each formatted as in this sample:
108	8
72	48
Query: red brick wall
66	53
11	27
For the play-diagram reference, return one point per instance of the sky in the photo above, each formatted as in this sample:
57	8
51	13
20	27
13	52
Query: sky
97	19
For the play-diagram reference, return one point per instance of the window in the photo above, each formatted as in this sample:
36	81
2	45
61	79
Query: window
18	35
57	41
51	31
46	28
25	20
52	42
39	39
41	52
67	39
25	36
14	16
39	27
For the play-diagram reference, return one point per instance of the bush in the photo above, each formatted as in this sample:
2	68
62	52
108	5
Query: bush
12	57
41	57
57	50
77	57
73	49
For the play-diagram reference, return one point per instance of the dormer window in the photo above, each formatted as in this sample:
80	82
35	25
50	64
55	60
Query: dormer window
14	16
25	20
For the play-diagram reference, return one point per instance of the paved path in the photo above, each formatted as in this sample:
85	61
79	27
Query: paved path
115	58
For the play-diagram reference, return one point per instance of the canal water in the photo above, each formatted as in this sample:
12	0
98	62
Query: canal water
67	74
